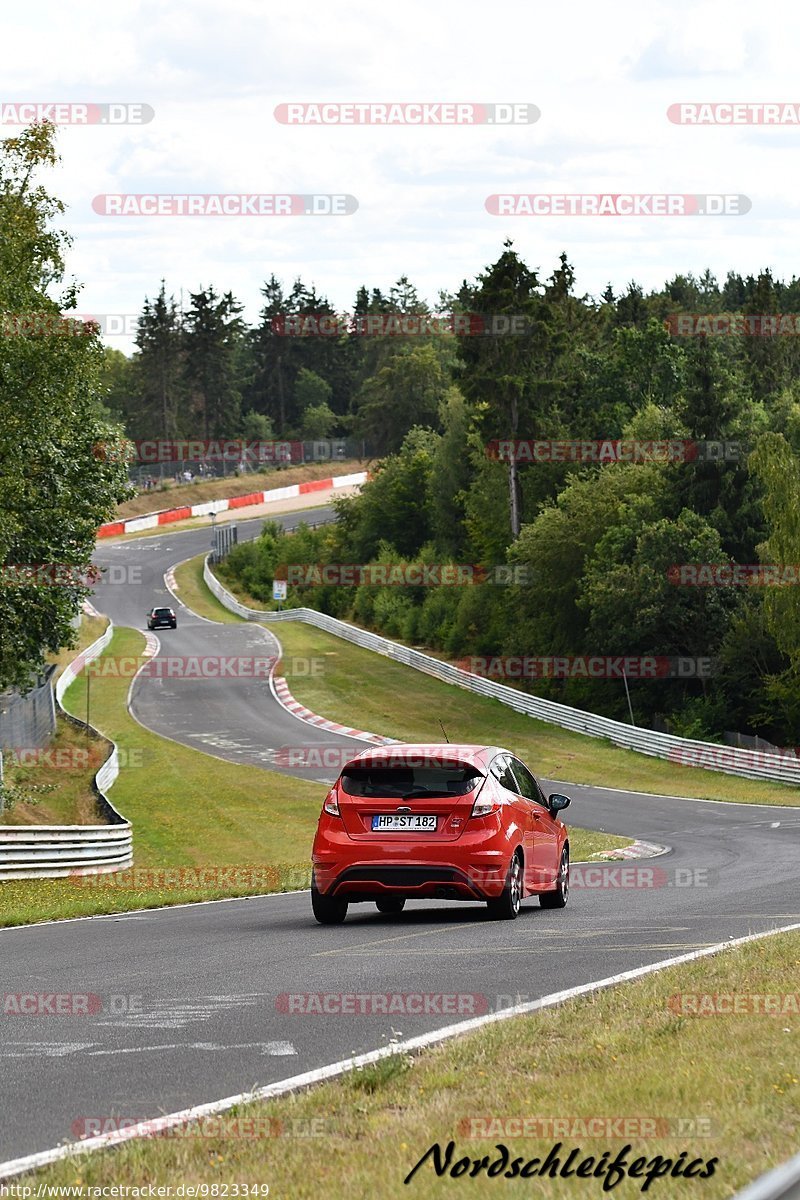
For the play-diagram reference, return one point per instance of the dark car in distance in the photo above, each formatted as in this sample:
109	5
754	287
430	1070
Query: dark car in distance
162	618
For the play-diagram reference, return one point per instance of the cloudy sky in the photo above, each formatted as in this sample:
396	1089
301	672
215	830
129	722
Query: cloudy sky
603	77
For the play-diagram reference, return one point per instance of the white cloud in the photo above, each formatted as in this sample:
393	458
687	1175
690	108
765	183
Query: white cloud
602	77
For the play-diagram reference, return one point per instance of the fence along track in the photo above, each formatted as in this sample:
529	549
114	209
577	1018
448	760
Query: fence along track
729	759
52	851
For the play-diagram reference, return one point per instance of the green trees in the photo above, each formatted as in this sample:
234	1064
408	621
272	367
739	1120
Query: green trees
454	460
62	464
511	377
631	600
407	390
595	542
715	406
116	384
312	398
396	508
558	546
213	332
777	468
157	377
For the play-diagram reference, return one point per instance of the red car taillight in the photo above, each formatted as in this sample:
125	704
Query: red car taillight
485	804
331	804
484	808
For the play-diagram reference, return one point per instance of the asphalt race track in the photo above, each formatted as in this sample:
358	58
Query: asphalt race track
236	718
191	1007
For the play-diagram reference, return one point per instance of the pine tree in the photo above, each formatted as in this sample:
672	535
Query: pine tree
158	370
213	333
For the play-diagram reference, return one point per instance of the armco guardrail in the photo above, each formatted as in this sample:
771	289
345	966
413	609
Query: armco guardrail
781	1184
729	759
50	851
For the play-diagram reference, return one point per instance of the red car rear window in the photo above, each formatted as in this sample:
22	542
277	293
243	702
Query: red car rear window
407	783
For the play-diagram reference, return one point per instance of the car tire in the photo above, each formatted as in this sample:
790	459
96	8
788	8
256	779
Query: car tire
390	906
327	909
558	898
505	907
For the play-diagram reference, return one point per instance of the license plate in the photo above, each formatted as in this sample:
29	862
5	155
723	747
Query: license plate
403	822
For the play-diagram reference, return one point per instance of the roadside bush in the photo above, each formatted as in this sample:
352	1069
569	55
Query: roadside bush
391	611
437	616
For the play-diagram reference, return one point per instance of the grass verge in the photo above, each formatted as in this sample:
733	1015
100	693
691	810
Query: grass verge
203	828
352	691
730	1093
90	629
65	767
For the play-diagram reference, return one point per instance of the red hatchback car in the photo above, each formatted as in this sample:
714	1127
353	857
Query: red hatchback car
446	822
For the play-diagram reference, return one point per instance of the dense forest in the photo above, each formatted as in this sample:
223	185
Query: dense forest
596	545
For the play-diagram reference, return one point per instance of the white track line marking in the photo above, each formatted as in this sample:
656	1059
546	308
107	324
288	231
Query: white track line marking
124	914
142	1129
598	787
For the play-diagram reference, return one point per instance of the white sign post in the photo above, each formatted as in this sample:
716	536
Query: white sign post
279	591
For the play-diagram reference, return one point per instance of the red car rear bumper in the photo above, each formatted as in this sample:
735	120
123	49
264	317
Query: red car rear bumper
474	867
